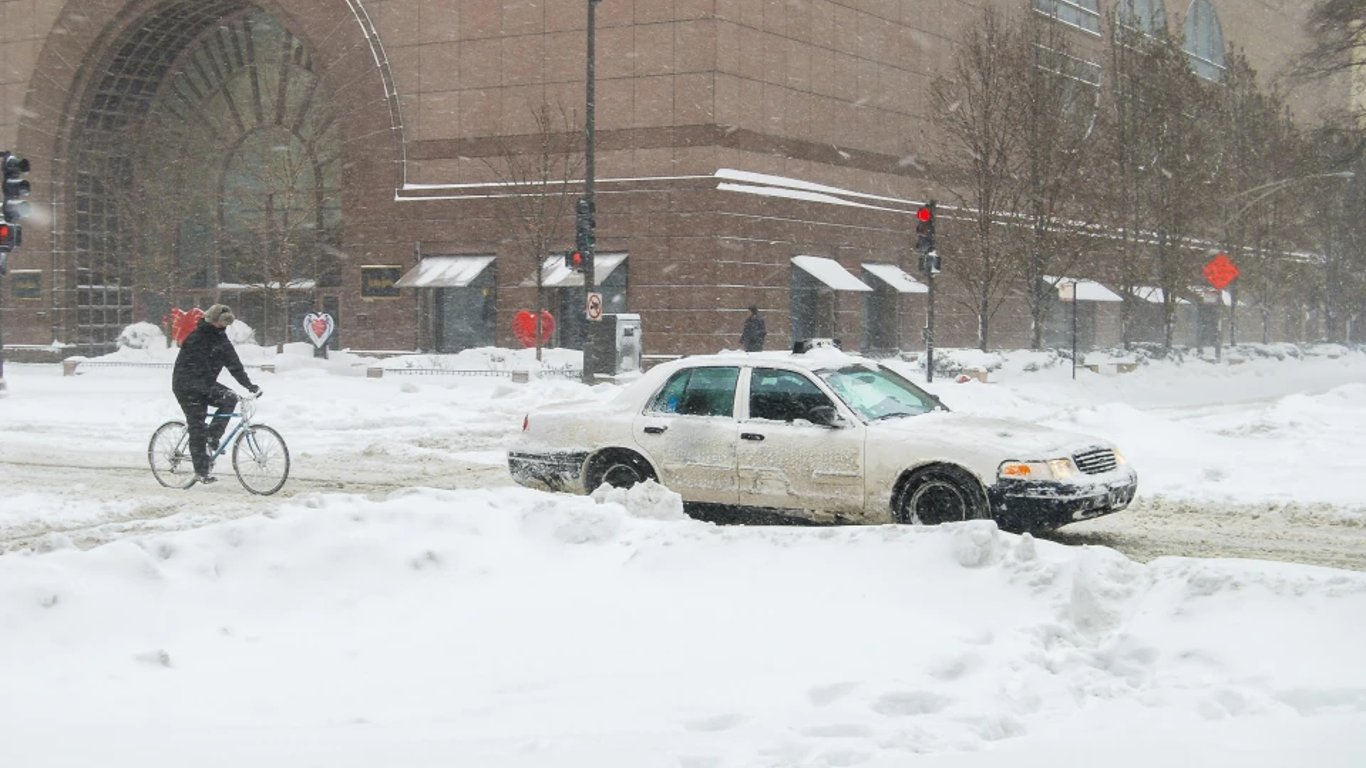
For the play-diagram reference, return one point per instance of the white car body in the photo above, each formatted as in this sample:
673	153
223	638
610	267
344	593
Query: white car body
850	467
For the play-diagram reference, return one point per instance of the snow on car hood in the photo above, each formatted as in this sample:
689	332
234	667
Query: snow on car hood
1000	439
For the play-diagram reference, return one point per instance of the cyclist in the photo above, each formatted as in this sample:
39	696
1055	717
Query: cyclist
194	382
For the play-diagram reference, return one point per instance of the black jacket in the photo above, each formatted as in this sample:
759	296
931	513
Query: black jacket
752	336
203	355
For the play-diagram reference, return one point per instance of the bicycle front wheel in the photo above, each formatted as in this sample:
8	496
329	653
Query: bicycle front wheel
169	455
260	459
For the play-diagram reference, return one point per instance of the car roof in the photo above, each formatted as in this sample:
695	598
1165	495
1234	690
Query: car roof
818	358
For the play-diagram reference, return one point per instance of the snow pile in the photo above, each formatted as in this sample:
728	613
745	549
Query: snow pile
142	336
519	628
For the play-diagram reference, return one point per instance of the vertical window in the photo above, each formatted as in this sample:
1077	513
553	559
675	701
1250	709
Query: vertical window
1082	14
1204	41
1146	16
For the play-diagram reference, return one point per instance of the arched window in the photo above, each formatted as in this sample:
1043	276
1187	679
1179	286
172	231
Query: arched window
1143	15
1204	40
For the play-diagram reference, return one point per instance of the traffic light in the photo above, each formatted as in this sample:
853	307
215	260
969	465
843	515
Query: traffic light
583	226
573	260
924	228
15	206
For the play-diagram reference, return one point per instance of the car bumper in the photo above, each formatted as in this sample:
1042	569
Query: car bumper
1024	505
557	471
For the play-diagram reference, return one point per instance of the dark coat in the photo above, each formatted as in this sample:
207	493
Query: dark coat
752	337
203	355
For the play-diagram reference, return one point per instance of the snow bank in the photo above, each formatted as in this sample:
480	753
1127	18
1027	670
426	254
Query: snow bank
518	628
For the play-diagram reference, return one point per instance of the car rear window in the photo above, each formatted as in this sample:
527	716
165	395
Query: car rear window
698	392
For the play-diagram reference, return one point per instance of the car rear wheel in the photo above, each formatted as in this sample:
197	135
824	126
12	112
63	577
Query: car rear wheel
619	470
941	494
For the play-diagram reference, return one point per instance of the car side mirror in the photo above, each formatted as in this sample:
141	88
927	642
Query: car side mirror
825	416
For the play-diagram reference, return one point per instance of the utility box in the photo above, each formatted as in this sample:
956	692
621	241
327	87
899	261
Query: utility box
615	344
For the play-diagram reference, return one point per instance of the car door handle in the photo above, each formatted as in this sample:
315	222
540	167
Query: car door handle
655	430
751	436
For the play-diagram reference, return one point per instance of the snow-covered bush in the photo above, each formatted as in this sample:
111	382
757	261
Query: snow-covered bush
142	336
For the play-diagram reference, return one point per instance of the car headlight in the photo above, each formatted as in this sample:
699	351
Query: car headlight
1119	457
1052	469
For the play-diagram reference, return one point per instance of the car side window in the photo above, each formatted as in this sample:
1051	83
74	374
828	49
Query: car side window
698	392
783	395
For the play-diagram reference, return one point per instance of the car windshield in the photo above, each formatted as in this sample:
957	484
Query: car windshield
877	393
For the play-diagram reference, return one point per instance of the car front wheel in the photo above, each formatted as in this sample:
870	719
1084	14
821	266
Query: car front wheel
941	494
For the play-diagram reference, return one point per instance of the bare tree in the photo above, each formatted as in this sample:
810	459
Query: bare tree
1057	118
537	170
975	107
273	219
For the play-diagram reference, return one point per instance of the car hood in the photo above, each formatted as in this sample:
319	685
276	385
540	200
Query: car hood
1002	438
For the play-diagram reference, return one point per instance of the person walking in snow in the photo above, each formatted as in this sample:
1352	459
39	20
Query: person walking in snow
194	382
752	336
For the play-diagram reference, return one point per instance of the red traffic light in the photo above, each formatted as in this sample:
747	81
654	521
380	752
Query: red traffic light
573	260
924	214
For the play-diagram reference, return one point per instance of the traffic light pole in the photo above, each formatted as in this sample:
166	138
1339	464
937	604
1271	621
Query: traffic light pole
589	253
929	329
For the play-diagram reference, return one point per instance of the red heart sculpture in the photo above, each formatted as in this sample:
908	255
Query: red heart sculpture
524	327
182	322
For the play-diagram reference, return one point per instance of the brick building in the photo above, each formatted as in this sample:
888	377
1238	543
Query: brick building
341	155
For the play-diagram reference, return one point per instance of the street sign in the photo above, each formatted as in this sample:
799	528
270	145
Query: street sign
1220	271
595	306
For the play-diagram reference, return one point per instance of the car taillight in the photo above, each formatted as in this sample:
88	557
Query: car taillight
526	422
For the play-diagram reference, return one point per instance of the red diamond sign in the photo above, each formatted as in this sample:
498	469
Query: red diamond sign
1220	271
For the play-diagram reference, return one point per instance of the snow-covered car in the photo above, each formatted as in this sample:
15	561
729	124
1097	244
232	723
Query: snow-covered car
822	436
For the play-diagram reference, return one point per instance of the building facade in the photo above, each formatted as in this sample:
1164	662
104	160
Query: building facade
349	156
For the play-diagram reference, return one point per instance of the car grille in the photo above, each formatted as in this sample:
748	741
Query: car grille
1095	461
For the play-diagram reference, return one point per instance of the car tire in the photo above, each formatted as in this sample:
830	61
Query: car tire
619	470
941	494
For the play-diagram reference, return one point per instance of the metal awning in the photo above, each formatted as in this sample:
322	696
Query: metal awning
1087	290
444	272
554	274
829	272
896	278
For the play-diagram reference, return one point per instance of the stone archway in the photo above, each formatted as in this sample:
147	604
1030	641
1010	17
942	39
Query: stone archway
203	154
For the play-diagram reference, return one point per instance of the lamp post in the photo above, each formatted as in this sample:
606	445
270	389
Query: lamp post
589	266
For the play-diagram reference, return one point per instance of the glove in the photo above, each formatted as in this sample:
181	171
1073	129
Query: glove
254	390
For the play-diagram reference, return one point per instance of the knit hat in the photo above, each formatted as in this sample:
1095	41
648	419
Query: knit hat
219	313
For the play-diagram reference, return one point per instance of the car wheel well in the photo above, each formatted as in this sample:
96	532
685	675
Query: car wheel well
616	466
914	477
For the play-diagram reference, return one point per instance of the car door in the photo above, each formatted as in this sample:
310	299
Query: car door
785	460
690	431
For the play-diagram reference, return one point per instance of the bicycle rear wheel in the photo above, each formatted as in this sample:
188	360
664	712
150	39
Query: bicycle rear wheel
169	455
260	459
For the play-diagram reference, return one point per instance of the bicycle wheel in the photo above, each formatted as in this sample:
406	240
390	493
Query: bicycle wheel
169	455
260	459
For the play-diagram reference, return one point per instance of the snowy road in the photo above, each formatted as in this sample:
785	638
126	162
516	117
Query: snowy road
1237	463
1151	528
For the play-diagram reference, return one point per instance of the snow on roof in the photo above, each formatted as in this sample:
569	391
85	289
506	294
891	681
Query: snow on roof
444	272
829	272
896	277
1087	290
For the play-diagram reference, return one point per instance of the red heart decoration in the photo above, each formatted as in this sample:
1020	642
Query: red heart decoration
319	327
182	322
524	327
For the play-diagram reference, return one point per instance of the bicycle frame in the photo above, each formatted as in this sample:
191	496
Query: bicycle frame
242	416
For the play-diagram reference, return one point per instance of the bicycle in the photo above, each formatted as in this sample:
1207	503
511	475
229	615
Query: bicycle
260	457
